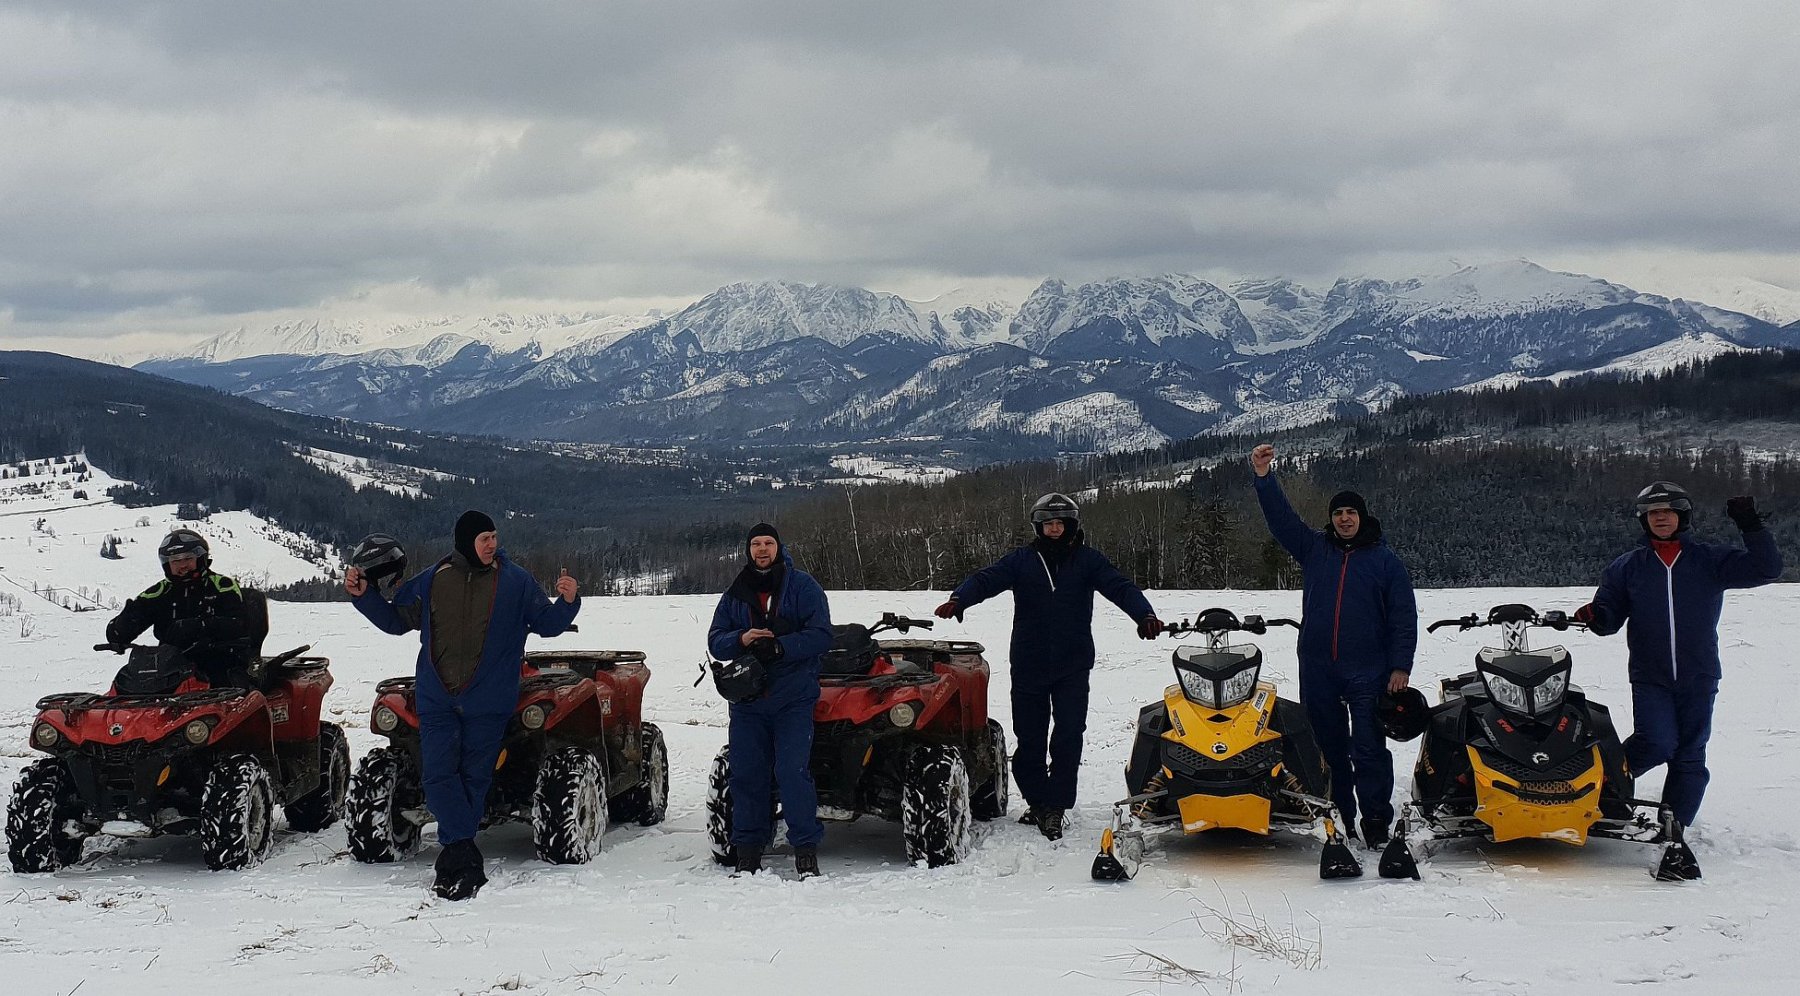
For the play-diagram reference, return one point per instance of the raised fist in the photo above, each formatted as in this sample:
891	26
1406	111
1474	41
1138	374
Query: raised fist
1742	510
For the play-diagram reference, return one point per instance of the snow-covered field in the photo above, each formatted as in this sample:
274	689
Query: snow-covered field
653	913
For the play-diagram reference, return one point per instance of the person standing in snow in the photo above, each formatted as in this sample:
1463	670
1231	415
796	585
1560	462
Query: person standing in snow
194	609
1359	630
1668	593
778	613
473	610
1053	581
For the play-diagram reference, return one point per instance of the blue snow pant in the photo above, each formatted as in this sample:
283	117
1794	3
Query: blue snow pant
456	761
1340	703
1671	726
771	746
1036	699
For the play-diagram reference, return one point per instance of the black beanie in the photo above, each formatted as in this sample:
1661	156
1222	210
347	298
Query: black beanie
1348	499
469	526
762	529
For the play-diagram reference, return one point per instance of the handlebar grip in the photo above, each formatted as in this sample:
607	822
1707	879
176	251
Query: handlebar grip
1281	622
921	623
1441	623
108	646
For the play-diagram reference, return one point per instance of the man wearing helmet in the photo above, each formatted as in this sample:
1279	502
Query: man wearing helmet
1359	629
1053	581
202	613
1667	594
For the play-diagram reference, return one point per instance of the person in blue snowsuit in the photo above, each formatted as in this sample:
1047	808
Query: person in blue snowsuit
778	613
1668	594
1359	630
473	611
1053	581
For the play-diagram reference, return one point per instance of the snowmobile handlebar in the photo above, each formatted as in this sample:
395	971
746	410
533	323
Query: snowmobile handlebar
1501	615
1225	623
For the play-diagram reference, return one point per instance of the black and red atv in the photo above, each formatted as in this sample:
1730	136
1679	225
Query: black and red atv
577	755
901	731
165	752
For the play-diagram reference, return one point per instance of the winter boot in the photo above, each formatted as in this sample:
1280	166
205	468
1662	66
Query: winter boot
806	862
1374	834
1029	817
1050	823
749	860
459	871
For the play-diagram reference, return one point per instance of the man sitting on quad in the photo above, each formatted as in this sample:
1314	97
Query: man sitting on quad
473	610
200	613
1053	581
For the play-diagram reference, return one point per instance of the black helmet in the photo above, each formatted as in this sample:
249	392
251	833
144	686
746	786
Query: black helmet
181	544
1403	714
1663	494
1055	505
380	558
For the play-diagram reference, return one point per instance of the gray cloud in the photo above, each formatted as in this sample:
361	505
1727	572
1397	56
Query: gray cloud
217	160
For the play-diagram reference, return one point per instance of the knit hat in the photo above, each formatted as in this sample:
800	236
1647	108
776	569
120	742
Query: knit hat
1348	499
469	526
762	529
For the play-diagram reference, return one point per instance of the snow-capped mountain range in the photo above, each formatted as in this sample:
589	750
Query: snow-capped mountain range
1109	364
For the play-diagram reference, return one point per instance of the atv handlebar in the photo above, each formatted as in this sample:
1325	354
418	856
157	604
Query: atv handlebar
1501	615
900	623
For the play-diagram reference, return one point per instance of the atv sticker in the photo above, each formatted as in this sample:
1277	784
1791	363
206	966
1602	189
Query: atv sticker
278	713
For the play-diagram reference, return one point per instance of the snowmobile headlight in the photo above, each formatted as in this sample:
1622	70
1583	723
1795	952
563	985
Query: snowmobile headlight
1238	688
1199	688
1506	694
386	719
903	714
1548	695
532	717
45	735
197	731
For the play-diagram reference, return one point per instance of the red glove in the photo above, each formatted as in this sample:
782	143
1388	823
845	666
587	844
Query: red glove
949	610
1584	615
1149	628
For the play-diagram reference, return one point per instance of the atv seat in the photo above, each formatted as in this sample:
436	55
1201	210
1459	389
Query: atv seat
852	652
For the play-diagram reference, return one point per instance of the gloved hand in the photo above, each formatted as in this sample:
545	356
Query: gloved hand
185	630
1742	510
1584	615
768	650
1149	628
949	610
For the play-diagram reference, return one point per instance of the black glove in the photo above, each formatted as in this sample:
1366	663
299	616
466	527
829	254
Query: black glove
1742	510
1149	628
185	631
948	610
767	649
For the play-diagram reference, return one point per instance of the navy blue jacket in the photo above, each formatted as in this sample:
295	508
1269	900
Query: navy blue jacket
1053	614
1671	614
1357	607
803	612
520	607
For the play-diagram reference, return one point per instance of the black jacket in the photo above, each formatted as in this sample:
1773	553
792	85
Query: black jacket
206	615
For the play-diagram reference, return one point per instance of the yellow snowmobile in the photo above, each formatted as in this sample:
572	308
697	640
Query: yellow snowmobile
1516	751
1222	750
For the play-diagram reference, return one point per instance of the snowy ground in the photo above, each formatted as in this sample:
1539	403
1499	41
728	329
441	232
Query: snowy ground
653	913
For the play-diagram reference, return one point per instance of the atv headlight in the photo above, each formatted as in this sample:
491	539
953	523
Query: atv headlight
386	719
1506	694
45	735
1548	695
197	731
903	714
532	717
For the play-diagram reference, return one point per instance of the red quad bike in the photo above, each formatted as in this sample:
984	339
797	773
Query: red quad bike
901	731
162	752
576	755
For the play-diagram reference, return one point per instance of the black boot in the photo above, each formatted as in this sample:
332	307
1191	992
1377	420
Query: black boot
806	862
460	874
749	860
1050	823
1029	817
1374	834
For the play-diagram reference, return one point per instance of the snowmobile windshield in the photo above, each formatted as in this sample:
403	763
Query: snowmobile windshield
1530	685
1218	679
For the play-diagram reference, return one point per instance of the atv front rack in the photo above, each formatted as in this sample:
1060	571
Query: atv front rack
69	703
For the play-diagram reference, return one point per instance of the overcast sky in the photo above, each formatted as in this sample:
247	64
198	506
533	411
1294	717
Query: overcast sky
181	169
